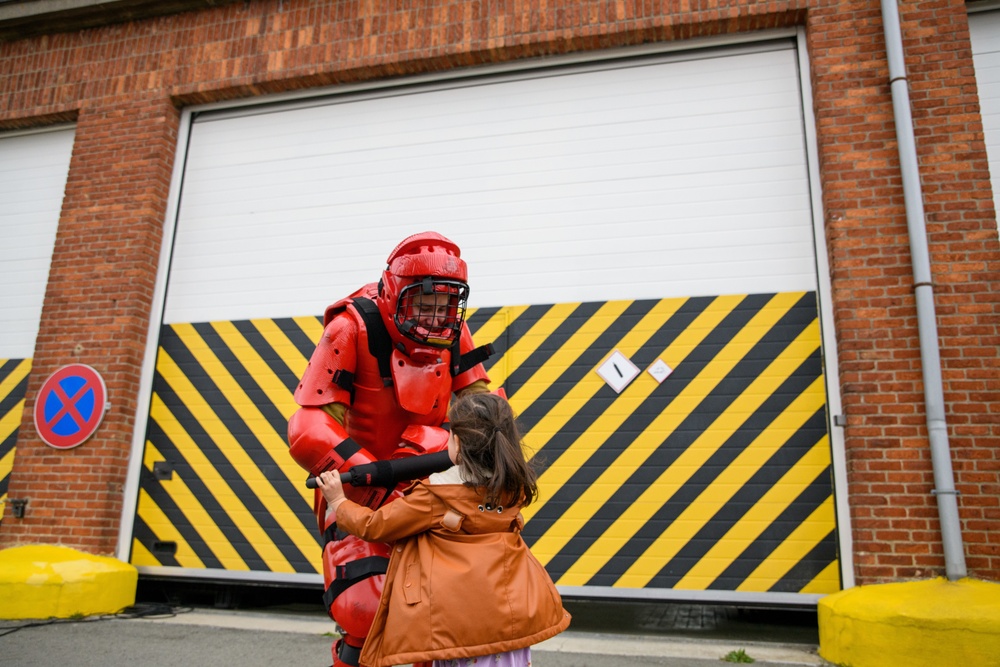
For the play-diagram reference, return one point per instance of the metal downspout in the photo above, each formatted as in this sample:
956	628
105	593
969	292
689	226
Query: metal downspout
937	429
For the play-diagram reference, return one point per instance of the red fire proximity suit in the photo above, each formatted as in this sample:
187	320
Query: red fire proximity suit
377	387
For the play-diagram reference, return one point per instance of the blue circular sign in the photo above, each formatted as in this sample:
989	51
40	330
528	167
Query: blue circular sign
70	406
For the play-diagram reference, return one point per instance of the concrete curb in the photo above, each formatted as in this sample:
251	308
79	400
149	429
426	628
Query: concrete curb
649	646
305	624
567	642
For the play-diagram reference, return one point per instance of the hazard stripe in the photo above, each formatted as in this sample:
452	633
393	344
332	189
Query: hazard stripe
739	575
827	579
219	433
272	377
693	457
206	541
701	558
719	563
13	385
534	358
587	480
166	532
190	464
251	444
712	498
718	478
278	335
564	451
496	329
260	398
606	421
303	333
141	556
814	532
792	520
577	385
615	475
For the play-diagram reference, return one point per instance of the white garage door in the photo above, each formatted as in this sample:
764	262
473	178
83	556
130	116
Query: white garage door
659	207
984	29
682	175
33	169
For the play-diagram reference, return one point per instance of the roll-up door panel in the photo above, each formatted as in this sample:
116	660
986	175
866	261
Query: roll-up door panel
643	179
33	171
984	30
658	209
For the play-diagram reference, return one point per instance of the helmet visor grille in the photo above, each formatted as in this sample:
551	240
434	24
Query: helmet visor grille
432	311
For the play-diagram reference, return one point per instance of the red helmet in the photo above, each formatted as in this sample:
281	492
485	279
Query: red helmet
424	289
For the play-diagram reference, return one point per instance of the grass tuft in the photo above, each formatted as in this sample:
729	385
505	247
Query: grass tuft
738	656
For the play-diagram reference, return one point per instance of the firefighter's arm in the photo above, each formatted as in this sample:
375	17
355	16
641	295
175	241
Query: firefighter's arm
319	442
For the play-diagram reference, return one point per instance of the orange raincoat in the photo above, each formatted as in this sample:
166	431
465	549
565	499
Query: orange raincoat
461	582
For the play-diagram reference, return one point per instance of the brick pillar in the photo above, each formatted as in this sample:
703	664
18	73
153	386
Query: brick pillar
96	312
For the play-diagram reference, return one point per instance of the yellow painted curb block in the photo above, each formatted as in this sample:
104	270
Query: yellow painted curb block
59	582
936	622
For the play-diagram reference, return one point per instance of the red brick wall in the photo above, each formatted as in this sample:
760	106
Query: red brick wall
125	84
96	311
894	516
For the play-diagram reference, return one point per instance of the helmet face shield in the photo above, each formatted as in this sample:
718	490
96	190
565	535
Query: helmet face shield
431	311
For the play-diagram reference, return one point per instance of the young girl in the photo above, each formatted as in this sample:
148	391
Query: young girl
462	587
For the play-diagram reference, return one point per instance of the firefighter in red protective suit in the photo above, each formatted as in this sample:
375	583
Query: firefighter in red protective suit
377	387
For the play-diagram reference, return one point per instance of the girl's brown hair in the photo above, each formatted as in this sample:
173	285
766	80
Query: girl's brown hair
491	454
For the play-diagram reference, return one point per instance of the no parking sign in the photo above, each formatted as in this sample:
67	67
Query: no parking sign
70	406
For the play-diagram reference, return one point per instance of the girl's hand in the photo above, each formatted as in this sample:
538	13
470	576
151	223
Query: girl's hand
332	488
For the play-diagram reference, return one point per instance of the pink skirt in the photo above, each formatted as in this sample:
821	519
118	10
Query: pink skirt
519	658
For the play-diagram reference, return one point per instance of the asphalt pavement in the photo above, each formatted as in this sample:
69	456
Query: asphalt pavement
160	635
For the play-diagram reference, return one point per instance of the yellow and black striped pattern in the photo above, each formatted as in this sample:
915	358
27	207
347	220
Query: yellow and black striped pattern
718	478
229	497
13	385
